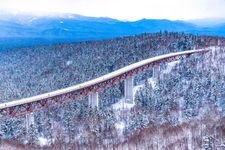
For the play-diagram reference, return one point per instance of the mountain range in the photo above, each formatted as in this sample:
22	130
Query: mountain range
16	31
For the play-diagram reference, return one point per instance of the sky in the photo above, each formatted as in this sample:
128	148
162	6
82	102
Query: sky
120	9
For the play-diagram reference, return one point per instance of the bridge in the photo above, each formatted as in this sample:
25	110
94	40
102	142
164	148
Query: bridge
91	88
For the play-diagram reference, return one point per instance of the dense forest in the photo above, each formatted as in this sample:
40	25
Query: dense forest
34	70
184	109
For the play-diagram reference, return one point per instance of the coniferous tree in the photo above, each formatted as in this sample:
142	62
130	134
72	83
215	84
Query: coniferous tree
32	135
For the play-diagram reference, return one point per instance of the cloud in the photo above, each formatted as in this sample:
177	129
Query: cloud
122	9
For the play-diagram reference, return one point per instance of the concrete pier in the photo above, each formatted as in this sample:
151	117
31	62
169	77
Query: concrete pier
128	89
93	100
156	72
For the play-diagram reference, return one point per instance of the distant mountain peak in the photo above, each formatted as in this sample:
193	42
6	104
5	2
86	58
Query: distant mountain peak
26	18
208	22
73	27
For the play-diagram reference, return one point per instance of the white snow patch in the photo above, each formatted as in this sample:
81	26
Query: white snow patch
170	66
69	62
42	141
152	82
136	88
189	139
70	16
120	126
122	105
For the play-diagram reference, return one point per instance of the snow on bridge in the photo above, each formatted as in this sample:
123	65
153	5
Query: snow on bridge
92	87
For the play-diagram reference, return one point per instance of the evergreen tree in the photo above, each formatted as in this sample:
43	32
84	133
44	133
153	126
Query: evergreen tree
32	135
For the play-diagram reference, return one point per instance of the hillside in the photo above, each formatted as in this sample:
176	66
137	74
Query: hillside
62	65
166	115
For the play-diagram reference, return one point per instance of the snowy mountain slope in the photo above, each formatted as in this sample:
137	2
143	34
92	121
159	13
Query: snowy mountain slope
72	28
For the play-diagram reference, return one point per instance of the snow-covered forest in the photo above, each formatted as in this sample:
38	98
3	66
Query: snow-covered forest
182	109
59	66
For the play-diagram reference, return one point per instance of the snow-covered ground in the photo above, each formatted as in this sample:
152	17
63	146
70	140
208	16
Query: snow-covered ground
69	62
152	82
42	141
123	105
136	88
170	66
120	127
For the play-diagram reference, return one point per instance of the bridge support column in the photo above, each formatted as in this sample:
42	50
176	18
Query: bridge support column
29	121
128	89
156	72
93	100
